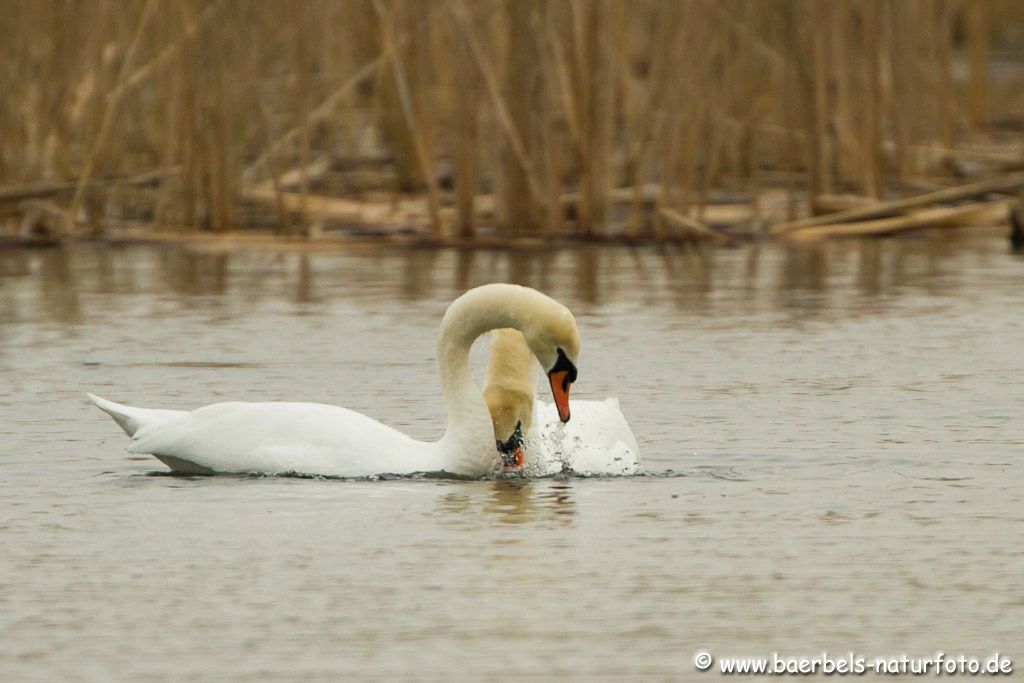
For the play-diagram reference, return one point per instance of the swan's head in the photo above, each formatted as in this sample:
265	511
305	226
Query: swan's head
555	342
510	438
511	449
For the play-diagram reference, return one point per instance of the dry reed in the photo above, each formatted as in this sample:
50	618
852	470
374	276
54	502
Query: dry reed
546	117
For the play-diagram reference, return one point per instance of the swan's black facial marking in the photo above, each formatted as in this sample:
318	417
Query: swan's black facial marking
563	364
512	450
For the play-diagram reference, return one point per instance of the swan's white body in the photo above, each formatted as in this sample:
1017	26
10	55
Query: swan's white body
318	439
597	440
310	438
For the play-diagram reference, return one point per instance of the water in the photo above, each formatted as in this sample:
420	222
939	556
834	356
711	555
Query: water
843	423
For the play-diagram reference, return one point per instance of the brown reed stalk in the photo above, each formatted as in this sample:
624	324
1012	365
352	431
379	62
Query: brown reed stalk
300	67
947	88
872	133
487	70
516	210
979	26
464	107
110	109
592	38
423	153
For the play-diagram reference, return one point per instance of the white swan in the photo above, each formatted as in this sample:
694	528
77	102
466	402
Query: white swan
313	438
529	434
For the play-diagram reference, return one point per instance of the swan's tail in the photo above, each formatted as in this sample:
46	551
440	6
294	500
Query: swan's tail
130	419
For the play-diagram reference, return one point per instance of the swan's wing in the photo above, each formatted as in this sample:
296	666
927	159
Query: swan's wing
310	438
132	419
617	421
597	440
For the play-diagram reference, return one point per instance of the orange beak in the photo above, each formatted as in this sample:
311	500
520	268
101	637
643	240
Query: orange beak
512	460
560	384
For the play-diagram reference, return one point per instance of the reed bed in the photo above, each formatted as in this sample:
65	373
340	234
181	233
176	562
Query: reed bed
463	120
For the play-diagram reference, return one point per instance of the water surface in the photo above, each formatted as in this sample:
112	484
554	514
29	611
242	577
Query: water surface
843	423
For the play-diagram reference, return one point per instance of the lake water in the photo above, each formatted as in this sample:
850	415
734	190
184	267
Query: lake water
833	433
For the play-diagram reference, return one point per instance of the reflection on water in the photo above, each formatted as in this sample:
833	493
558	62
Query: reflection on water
518	502
842	418
510	501
694	278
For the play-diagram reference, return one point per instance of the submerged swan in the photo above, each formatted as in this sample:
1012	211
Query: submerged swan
318	439
529	434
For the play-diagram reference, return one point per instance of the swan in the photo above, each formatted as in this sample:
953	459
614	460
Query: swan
318	439
528	432
508	392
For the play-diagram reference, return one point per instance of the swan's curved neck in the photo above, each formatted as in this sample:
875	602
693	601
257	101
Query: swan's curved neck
469	440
